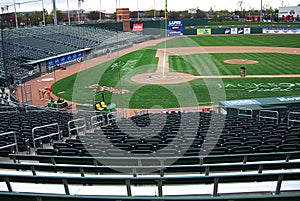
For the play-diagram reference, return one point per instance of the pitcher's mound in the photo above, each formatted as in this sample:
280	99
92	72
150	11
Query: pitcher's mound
240	61
168	78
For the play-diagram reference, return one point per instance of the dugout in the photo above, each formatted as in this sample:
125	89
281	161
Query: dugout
50	64
272	107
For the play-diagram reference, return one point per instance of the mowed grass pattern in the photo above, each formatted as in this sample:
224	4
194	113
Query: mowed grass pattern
231	40
268	63
116	73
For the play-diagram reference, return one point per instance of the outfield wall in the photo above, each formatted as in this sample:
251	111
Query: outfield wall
196	27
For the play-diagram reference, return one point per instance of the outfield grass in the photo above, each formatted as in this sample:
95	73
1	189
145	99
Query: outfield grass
117	73
231	40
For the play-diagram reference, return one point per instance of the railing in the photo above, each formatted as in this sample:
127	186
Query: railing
34	139
264	114
97	121
245	112
159	183
10	145
160	160
79	124
292	118
162	170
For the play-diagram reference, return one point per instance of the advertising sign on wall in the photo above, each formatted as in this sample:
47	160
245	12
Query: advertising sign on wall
240	30
234	30
227	31
204	31
64	59
138	27
175	28
271	30
247	30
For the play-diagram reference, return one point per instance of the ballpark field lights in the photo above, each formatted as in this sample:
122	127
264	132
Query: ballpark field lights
69	19
44	21
166	35
54	13
261	10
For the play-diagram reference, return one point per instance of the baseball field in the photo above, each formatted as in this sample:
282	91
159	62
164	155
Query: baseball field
191	71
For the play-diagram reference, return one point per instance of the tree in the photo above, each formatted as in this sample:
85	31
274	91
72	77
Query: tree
241	9
94	15
200	14
240	5
173	15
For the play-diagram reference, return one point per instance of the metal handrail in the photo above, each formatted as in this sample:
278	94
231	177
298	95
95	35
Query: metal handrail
97	120
292	120
246	115
44	136
267	117
77	127
13	144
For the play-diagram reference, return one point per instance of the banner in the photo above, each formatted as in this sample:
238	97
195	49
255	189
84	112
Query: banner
204	31
138	27
175	28
64	59
271	30
247	30
234	31
227	31
240	30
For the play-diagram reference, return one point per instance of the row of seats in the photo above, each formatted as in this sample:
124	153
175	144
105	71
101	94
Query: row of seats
177	134
163	133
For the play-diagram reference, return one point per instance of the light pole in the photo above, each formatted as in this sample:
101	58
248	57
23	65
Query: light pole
261	10
54	13
137	5
44	21
69	19
78	12
154	10
100	11
4	49
16	17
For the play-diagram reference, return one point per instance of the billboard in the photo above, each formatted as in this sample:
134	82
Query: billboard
204	31
138	27
175	28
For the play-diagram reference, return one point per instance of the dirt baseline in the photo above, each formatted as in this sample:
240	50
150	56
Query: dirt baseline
241	61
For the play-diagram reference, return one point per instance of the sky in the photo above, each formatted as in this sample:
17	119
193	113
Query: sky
109	6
